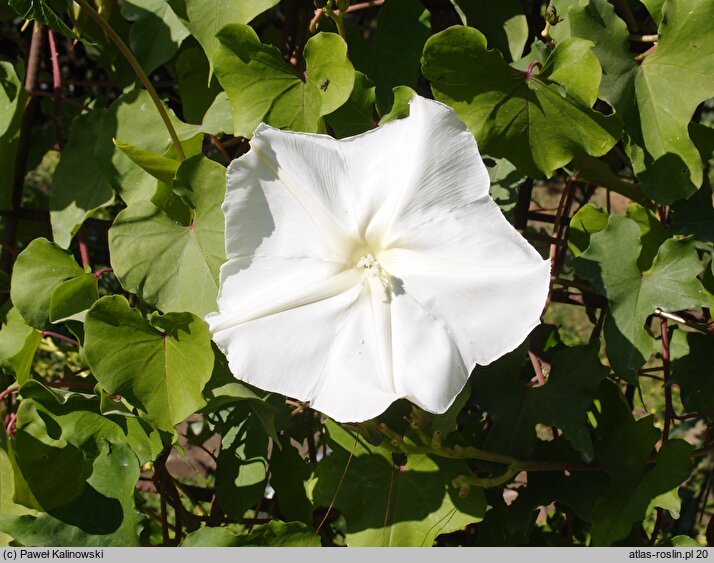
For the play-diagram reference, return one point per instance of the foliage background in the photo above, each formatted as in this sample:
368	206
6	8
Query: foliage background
123	426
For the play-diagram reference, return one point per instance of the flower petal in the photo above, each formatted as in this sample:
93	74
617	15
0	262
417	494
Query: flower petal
472	270
416	167
324	352
428	367
310	172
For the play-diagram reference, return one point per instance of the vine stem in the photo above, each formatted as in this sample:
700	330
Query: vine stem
10	429
649	51
319	12
50	334
23	150
8	391
131	59
56	88
337	491
668	409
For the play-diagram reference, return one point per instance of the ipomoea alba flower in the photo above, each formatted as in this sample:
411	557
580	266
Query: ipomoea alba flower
371	268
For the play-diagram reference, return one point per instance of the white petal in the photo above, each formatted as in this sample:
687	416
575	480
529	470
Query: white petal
234	312
381	298
323	352
417	167
303	178
474	272
428	367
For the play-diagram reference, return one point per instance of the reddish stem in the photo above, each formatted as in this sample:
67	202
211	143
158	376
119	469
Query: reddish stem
529	71
319	12
10	429
49	333
541	381
8	248
215	141
9	391
101	271
668	409
57	88
83	250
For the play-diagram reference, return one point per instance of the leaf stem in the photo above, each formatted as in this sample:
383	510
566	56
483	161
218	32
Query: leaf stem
8	391
337	16
319	12
10	429
681	320
668	408
56	89
50	334
131	59
649	51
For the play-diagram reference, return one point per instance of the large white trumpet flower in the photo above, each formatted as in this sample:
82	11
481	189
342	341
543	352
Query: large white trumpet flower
371	268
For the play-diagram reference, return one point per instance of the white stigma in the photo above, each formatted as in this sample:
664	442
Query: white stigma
373	269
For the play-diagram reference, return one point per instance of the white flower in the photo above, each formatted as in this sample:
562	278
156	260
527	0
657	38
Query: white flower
371	268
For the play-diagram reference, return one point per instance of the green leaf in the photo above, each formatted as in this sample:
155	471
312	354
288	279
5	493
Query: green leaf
196	90
515	407
207	17
652	234
39	10
386	505
39	271
503	23
157	32
242	464
160	365
654	7
289	476
634	484
538	123
684	541
134	119
12	96
160	167
357	114
61	440
692	356
219	116
261	86
273	534
505	181
587	221
54	469
695	216
18	343
679	71
670	284
86	426
402	96
72	299
595	171
169	265
8	506
223	390
103	516
392	57
79	186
